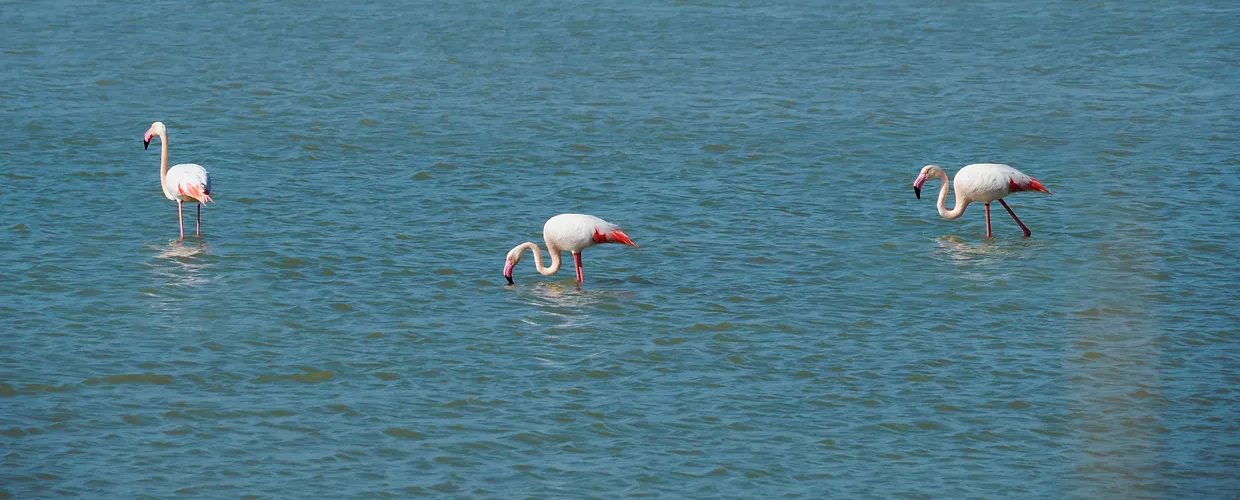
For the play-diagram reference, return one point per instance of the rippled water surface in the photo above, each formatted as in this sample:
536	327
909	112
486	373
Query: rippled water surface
796	322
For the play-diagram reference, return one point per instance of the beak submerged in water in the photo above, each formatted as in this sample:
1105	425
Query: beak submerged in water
508	265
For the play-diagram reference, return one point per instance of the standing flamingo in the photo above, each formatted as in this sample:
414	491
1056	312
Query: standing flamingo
182	183
984	182
572	232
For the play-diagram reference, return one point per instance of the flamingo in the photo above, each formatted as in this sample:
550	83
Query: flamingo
984	182
184	183
572	232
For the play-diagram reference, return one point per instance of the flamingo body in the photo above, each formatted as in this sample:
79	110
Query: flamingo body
187	183
577	232
981	182
987	182
567	232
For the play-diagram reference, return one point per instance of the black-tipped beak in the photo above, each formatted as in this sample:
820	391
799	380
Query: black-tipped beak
509	278
146	144
917	191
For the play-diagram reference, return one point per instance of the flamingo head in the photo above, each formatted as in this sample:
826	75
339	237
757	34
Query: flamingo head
514	256
157	129
927	172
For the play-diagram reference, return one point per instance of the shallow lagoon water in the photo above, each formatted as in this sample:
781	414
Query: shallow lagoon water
796	322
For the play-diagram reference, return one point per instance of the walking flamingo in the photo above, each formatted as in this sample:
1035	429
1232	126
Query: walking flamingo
572	232
984	182
182	183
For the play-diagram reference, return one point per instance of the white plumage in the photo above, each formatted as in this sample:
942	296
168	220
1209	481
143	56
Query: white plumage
182	177
575	232
987	182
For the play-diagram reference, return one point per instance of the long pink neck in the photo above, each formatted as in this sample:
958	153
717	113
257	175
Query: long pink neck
163	159
961	202
538	262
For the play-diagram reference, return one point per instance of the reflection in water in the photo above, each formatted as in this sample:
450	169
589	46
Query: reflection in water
175	249
565	308
563	303
187	266
567	305
984	260
956	248
561	295
179	268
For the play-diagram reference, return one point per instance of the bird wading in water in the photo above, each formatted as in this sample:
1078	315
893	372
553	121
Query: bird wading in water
981	182
184	183
571	232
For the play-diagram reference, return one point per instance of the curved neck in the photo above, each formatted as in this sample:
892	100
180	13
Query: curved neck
961	202
538	262
163	158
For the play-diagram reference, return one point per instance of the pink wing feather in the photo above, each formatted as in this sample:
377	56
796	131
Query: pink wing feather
194	191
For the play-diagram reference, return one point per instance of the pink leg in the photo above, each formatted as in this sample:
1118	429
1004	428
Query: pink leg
987	220
198	222
1022	224
581	274
179	221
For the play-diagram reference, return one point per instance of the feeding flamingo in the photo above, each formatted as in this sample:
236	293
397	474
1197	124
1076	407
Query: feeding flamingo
572	232
984	182
184	183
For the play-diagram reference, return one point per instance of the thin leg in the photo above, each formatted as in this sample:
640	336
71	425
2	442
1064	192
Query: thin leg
1017	219
987	220
581	274
198	222
179	222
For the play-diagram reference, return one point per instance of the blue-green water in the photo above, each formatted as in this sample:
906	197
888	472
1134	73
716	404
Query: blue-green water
796	322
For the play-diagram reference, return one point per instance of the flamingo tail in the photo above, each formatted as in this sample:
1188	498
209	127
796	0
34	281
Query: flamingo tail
196	192
616	236
1033	185
1037	186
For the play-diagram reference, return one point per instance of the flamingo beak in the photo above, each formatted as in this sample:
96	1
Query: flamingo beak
508	265
146	140
921	179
